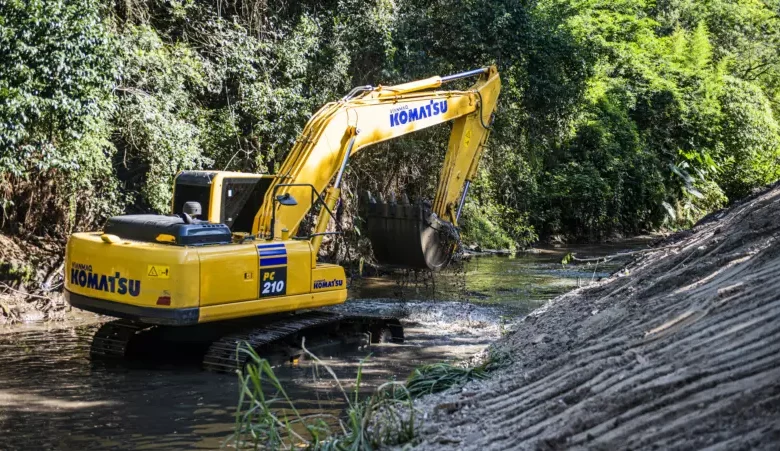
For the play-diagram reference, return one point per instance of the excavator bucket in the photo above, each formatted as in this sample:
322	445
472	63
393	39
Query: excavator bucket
407	235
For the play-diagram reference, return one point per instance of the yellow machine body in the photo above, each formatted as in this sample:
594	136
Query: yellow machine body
262	267
164	284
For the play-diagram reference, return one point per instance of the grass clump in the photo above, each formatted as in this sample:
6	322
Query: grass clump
385	418
438	377
273	422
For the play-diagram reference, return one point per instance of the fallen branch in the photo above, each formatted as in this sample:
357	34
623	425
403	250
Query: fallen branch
50	277
25	294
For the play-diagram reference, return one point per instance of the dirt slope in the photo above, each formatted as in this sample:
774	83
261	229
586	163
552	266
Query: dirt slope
680	350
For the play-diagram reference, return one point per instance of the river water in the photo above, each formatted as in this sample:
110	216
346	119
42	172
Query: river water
52	396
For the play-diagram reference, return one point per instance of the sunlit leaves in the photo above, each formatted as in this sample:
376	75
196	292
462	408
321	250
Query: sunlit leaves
55	79
614	117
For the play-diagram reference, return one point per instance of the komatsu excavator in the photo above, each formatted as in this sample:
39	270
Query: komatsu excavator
247	258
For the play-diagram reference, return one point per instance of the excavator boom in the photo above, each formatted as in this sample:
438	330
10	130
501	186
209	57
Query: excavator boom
339	130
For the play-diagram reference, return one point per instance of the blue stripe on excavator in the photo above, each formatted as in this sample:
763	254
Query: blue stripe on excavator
273	261
270	246
271	252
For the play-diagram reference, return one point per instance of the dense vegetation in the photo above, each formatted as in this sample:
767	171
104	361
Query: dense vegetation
616	116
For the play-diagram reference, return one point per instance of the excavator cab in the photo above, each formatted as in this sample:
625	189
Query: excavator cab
229	198
209	207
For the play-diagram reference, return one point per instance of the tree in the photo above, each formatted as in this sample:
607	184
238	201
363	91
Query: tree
55	85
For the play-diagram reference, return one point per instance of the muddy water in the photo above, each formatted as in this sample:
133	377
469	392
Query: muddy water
53	397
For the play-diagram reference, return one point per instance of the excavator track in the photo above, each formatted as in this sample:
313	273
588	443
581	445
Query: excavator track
222	356
113	338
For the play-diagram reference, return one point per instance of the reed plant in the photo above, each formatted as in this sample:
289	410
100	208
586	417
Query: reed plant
263	421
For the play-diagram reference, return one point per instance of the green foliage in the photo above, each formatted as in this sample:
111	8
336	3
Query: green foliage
157	113
437	377
615	116
478	227
657	100
57	73
748	153
55	84
604	180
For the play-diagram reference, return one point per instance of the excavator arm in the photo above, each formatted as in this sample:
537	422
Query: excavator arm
367	116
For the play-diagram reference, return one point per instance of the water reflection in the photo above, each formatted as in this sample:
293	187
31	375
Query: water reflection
520	283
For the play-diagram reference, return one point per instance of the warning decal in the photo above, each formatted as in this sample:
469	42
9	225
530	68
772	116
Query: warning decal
158	271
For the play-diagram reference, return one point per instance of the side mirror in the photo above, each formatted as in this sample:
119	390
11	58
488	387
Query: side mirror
286	199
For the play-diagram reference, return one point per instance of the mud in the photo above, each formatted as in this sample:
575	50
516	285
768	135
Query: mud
679	350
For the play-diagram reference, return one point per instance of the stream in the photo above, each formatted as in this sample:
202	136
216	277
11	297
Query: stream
52	396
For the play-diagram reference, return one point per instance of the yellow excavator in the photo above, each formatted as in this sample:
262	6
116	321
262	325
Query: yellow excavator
233	247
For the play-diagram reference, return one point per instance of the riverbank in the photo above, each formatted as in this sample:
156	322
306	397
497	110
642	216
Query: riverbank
31	281
680	349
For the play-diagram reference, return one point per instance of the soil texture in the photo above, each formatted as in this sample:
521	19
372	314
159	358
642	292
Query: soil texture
678	350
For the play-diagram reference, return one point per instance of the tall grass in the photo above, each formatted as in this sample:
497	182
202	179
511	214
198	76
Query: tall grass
387	417
438	377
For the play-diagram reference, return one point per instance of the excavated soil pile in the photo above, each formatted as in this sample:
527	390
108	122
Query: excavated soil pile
679	350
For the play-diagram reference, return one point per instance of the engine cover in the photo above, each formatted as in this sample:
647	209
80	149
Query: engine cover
148	228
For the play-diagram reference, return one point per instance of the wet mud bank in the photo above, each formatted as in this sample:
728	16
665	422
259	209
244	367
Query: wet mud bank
31	281
679	350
